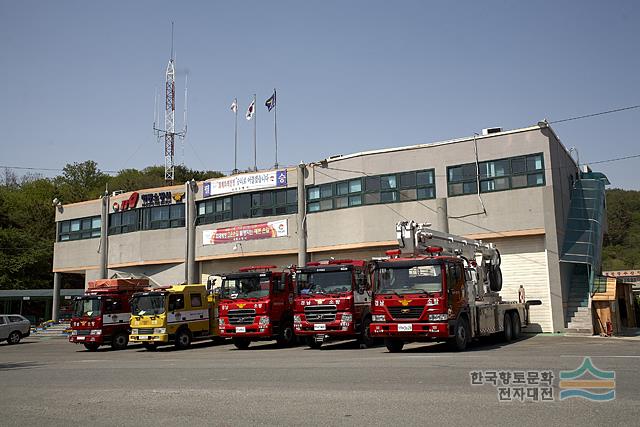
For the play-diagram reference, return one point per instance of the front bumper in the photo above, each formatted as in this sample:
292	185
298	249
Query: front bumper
81	339
410	330
337	328
161	338
253	331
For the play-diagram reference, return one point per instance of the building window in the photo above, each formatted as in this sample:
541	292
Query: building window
389	188
496	175
248	205
79	229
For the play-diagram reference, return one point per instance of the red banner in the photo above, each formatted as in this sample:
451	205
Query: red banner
265	230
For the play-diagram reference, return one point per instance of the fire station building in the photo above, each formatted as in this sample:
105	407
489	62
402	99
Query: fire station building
519	189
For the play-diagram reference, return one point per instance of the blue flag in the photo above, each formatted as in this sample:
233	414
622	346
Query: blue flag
271	102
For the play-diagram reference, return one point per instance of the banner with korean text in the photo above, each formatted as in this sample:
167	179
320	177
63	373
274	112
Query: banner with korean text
243	182
265	230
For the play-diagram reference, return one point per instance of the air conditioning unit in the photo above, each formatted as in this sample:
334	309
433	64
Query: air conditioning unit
489	131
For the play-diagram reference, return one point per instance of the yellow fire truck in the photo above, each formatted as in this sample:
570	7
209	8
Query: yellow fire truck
176	315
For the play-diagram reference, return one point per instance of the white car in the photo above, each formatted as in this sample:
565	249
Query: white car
13	327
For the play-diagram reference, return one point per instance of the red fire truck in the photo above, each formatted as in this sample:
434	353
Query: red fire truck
101	316
333	301
441	287
256	304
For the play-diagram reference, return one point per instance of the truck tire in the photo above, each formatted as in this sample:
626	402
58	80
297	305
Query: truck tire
150	346
120	341
286	337
183	339
14	337
365	333
495	279
515	325
241	343
461	335
393	345
312	343
91	346
507	332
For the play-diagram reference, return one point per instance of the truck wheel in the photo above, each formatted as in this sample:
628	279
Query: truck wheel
461	335
14	337
91	346
507	333
241	343
516	326
365	333
312	343
150	346
393	345
495	279
183	339
286	336
120	341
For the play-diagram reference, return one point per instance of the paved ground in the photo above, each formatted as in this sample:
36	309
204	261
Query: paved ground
52	382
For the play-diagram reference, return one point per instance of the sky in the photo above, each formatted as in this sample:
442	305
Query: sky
78	79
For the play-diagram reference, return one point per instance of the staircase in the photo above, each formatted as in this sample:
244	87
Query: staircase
578	314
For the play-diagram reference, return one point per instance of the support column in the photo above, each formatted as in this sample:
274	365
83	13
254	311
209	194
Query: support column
442	215
104	238
302	216
55	307
191	271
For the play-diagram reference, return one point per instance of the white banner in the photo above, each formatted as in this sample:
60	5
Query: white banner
264	230
248	181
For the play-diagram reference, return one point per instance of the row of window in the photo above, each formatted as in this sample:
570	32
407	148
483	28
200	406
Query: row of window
78	229
496	175
249	205
400	187
156	218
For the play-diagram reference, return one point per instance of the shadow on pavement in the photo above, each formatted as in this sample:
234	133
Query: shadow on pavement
18	365
483	344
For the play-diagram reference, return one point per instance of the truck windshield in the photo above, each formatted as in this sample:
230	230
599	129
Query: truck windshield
416	279
147	304
245	287
87	306
323	282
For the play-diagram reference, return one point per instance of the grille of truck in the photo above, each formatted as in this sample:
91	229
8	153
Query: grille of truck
143	331
241	317
320	313
405	312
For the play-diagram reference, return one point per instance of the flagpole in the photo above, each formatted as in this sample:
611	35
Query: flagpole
275	123
235	145
255	119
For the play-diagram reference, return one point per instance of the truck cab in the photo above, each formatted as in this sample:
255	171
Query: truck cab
177	314
333	302
101	316
256	304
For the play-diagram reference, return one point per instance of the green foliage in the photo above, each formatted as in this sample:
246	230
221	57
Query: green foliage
27	216
622	242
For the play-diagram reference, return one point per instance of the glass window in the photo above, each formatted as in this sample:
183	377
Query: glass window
292	195
495	168
355	186
267	198
201	208
387	182
65	226
355	200
325	205
86	224
342	202
426	193
196	300
281	197
408	180
326	191
75	225
342	188
313	207
372	183
535	179
406	195
241	206
534	162
96	222
371	198
314	193
424	178
388	196
518	165
518	181
176	302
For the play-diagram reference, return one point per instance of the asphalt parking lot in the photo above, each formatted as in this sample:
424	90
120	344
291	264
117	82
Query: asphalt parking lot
52	382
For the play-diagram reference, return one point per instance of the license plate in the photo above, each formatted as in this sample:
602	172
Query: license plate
241	329
143	337
80	338
319	327
405	327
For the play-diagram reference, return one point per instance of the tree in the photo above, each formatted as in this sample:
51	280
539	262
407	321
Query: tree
81	181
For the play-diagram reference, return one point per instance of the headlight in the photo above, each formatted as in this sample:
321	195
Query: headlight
378	318
96	332
159	330
134	332
347	317
221	322
297	318
74	332
264	320
438	317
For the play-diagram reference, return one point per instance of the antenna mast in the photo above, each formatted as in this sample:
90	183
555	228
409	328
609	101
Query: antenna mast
169	132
